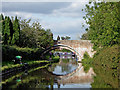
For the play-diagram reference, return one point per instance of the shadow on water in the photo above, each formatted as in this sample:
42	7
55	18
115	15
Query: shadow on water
49	77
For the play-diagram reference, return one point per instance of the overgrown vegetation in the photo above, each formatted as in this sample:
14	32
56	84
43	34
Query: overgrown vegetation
63	50
19	65
23	33
106	66
87	62
103	19
21	37
19	74
9	53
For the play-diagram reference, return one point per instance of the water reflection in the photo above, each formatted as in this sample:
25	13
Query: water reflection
46	78
87	85
67	64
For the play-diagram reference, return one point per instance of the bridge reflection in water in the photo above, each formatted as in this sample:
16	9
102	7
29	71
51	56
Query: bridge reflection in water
71	75
75	77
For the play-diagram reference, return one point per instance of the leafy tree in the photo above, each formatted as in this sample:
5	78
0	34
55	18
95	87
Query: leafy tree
27	35
23	33
67	37
50	37
15	32
104	23
1	26
7	30
85	36
62	38
34	35
58	38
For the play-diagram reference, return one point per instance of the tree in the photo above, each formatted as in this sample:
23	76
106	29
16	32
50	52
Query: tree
67	37
62	38
28	35
58	38
85	36
1	26
7	30
34	36
15	32
104	23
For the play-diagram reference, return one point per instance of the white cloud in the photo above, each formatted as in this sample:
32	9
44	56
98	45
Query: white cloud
23	15
73	10
44	1
62	21
71	27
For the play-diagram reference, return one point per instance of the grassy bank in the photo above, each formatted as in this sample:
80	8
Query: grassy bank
106	64
18	65
19	74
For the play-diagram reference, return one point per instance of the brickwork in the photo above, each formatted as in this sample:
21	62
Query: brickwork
80	47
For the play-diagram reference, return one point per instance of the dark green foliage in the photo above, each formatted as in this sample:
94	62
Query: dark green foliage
21	33
106	65
63	50
16	32
6	32
62	38
1	26
35	36
58	38
87	62
9	53
65	38
85	36
104	31
104	22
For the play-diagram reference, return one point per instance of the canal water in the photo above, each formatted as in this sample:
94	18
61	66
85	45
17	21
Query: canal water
47	78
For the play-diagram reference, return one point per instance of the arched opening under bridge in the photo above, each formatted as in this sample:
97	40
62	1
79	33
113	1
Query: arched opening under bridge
59	47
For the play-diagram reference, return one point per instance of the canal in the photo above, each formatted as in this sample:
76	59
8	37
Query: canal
50	76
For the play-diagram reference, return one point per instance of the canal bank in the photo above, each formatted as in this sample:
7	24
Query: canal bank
9	73
106	65
49	76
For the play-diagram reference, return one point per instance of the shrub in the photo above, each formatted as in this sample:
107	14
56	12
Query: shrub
9	53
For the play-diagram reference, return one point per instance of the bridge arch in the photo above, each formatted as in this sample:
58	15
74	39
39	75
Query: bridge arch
77	46
57	46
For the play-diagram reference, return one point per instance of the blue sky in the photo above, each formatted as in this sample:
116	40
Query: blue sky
63	18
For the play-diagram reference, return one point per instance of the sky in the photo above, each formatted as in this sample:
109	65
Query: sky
63	18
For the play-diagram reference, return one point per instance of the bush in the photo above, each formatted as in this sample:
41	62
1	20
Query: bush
9	53
106	65
87	62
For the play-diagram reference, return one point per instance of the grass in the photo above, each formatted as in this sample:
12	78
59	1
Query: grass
18	75
7	65
18	65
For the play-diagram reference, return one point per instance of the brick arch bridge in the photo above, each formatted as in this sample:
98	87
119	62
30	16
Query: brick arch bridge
79	46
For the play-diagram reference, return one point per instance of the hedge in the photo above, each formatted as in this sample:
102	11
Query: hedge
9	53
